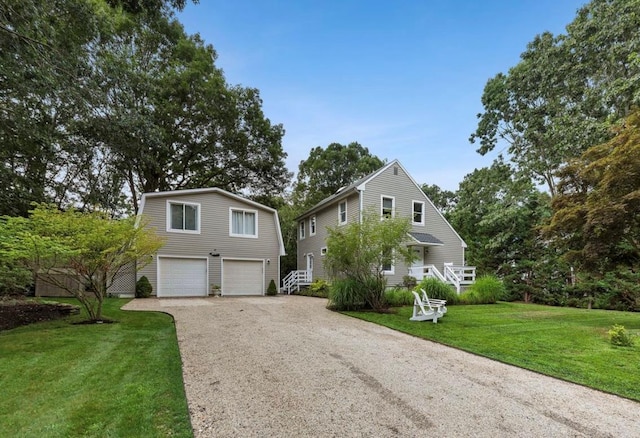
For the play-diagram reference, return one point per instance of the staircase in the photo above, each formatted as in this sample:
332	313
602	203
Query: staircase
457	276
295	279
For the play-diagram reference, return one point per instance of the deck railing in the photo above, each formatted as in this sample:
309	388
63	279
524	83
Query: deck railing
457	276
294	279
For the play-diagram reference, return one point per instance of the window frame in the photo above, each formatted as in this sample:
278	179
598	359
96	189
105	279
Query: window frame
302	234
244	211
392	266
346	215
183	230
393	205
413	212
312	225
323	251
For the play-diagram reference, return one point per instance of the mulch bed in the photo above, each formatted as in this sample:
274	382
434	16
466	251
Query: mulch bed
16	313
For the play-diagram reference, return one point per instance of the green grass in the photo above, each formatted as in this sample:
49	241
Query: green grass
570	344
102	380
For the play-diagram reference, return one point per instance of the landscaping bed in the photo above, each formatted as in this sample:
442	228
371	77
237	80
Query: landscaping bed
18	312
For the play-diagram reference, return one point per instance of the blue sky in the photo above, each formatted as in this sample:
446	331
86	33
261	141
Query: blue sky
403	78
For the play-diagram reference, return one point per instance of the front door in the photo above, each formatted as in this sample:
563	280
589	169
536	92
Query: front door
418	262
309	267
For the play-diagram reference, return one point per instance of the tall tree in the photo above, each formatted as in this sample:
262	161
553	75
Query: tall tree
597	212
444	200
567	89
327	170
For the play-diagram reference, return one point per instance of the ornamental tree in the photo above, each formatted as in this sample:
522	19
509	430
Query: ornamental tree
361	251
90	247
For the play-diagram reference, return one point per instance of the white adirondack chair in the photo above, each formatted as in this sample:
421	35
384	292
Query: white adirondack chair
423	311
441	305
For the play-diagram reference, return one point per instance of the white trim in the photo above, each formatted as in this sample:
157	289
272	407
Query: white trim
168	216
393	205
243	210
241	259
346	213
313	224
302	229
203	191
424	209
323	251
171	256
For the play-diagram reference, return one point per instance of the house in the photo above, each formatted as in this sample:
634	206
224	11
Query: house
438	248
214	241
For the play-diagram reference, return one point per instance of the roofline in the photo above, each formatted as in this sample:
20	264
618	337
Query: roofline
351	189
464	244
419	243
213	190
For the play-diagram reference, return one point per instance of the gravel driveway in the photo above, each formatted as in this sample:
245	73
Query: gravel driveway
287	367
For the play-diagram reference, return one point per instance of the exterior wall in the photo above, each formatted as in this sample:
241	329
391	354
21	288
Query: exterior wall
214	236
326	217
396	183
401	187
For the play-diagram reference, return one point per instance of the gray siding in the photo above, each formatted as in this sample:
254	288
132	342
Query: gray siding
327	217
213	236
402	188
393	182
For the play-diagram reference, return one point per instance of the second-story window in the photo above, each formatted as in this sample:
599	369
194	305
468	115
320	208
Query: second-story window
387	207
418	213
312	226
244	223
342	213
302	230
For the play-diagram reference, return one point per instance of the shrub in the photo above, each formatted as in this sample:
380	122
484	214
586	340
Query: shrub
346	294
319	288
438	290
486	290
143	287
272	289
14	280
619	336
409	282
398	297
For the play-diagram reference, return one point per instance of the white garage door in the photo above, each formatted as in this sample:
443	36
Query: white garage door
182	277
242	277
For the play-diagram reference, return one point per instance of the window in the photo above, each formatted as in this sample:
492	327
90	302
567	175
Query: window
418	213
244	223
323	251
183	217
342	213
312	226
387	207
302	233
387	263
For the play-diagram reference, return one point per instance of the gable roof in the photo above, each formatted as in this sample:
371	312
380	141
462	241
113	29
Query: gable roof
219	191
361	185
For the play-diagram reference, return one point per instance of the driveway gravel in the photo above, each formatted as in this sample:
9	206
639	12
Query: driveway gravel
286	367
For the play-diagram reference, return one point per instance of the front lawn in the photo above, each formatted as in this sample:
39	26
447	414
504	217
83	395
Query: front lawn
571	344
121	379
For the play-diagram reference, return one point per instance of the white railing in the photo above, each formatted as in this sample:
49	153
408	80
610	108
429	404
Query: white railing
427	271
454	275
294	279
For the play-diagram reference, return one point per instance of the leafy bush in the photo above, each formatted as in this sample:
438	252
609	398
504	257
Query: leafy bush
143	287
319	288
14	280
619	336
409	282
486	290
399	297
346	294
438	290
272	289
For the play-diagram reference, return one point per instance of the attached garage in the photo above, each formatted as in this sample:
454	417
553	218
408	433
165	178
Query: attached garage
182	277
242	277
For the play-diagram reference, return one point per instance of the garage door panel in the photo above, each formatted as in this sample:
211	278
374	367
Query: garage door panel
243	277
182	277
